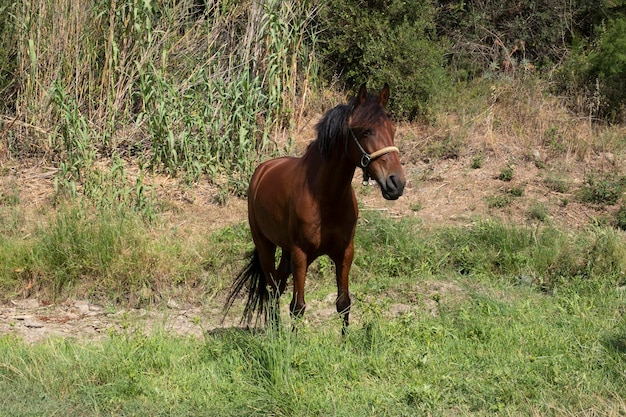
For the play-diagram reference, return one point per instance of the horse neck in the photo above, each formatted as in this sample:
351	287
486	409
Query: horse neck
333	174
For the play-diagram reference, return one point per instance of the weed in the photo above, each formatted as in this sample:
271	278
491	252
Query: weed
556	183
538	211
448	147
506	173
498	200
553	140
416	206
477	162
517	191
602	189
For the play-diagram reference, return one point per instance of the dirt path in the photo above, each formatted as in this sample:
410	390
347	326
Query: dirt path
33	321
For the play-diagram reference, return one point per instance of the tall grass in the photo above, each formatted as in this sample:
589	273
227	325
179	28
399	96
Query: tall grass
184	91
112	253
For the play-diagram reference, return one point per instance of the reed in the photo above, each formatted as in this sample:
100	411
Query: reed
186	90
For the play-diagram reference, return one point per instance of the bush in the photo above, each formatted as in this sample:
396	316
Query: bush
608	67
602	189
382	41
596	71
503	36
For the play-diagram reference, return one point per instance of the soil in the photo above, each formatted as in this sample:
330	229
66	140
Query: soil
450	189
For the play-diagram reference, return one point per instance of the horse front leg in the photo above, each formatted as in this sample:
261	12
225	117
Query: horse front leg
343	262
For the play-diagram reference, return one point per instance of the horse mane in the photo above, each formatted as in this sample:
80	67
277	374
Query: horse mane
333	128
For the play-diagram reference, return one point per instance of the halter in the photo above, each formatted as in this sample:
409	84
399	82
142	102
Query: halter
367	158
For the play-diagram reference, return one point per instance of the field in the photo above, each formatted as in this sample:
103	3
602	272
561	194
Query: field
462	306
495	285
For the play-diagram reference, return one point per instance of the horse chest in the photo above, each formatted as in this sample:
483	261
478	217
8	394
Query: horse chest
326	232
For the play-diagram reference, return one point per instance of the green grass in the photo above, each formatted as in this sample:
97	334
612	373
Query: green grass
501	319
502	349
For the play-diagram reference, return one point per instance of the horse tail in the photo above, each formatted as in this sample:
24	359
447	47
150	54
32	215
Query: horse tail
253	277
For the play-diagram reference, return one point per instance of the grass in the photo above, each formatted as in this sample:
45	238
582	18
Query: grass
188	94
499	200
522	321
112	256
538	211
503	349
506	173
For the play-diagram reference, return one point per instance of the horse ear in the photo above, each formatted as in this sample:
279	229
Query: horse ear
384	95
362	95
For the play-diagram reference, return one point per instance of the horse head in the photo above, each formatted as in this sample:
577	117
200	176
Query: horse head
372	142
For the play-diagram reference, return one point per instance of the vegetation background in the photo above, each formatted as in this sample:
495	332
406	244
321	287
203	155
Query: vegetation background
498	287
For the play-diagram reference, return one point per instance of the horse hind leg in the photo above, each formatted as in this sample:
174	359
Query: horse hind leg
267	253
283	271
299	266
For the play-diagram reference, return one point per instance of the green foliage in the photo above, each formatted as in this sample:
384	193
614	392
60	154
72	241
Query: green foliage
596	71
108	253
198	96
477	162
496	343
8	61
602	189
506	173
489	248
448	147
499	200
76	247
390	41
608	67
557	183
507	36
499	349
538	211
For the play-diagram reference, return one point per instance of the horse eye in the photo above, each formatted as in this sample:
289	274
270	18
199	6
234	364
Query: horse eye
368	132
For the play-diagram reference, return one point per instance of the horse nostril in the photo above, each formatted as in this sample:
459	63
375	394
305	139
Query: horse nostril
395	184
392	182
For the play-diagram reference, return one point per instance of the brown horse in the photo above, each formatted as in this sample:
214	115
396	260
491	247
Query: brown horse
307	206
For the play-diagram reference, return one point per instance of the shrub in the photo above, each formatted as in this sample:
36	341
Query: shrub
506	173
596	70
608	66
504	36
382	41
477	162
602	189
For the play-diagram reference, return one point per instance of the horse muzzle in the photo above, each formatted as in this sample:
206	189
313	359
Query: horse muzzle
392	187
